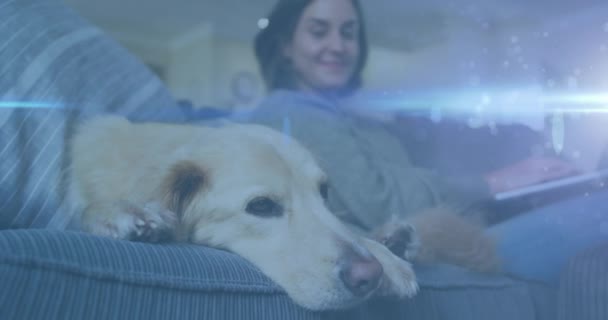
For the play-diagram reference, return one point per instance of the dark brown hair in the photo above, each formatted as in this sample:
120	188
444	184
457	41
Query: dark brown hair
283	19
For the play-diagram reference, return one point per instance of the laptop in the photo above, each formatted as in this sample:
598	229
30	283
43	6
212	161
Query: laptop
585	144
592	180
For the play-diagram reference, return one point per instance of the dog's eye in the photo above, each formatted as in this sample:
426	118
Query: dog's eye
324	190
264	207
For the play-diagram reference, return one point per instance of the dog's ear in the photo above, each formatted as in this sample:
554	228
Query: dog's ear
185	180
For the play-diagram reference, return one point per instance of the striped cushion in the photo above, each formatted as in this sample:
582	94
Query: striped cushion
57	68
49	274
584	286
450	293
70	275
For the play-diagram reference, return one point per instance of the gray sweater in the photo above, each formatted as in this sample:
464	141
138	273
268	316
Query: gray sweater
369	171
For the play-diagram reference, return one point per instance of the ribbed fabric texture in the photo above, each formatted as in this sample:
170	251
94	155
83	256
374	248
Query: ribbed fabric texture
450	293
463	303
56	68
67	275
584	287
49	274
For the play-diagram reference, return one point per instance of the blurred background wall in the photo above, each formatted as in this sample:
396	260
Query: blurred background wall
202	48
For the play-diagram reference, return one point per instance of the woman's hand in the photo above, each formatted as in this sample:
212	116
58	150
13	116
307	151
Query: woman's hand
528	172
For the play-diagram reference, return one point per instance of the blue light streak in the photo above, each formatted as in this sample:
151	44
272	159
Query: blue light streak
513	101
29	105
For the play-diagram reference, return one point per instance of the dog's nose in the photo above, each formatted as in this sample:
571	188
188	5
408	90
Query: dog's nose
361	275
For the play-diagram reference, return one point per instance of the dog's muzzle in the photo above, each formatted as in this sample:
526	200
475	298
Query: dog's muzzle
360	273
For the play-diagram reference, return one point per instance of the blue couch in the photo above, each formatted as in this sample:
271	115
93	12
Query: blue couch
49	274
56	69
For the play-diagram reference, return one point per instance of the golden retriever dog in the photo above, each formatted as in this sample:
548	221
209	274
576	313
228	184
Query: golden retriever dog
244	188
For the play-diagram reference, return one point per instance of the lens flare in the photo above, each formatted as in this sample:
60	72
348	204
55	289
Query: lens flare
29	105
519	101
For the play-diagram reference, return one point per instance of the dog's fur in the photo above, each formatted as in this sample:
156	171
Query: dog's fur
247	189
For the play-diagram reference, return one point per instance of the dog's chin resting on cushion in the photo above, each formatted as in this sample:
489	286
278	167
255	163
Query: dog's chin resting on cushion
244	188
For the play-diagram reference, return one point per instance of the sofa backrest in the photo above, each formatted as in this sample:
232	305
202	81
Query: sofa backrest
57	69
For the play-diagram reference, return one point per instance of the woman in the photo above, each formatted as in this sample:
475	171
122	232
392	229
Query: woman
312	54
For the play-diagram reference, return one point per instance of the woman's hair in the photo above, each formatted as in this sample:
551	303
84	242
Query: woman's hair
282	21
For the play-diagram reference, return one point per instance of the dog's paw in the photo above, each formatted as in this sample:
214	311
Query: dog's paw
399	279
153	223
399	237
125	220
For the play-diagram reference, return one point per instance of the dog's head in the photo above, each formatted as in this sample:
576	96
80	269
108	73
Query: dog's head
261	195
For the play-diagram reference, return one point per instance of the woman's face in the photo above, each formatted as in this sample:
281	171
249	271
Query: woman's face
324	50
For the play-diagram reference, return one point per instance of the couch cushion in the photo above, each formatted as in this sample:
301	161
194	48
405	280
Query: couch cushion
583	291
68	275
452	293
57	68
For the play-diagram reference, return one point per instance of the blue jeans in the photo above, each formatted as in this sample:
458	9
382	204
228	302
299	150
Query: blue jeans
536	245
